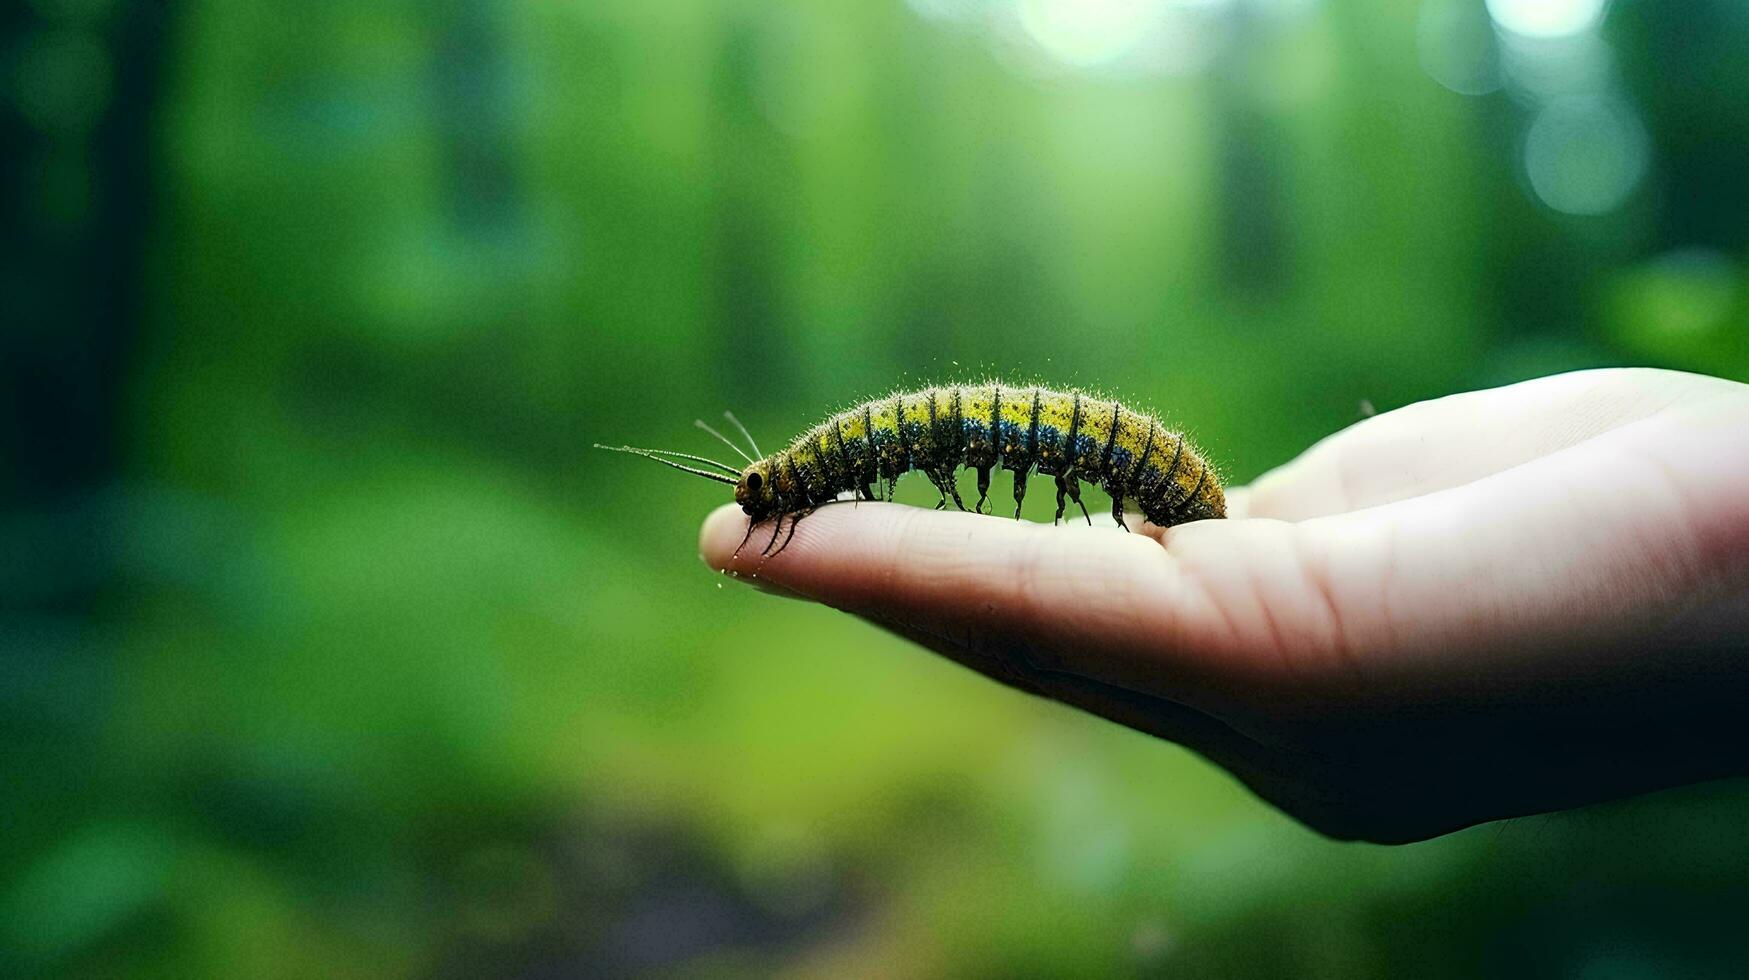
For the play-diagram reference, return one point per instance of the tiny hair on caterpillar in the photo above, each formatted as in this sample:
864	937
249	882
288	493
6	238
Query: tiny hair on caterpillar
1068	434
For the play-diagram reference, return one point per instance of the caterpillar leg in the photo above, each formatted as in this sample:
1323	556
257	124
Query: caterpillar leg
750	526
776	526
794	519
953	490
983	489
944	483
868	491
891	483
1074	486
1019	491
1117	512
1070	487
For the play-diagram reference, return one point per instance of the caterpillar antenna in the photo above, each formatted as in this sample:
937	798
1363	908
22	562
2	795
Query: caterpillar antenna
651	454
738	450
726	468
747	435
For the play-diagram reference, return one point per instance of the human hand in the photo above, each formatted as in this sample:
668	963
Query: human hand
1493	604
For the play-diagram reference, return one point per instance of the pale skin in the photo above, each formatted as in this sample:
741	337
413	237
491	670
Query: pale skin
1499	603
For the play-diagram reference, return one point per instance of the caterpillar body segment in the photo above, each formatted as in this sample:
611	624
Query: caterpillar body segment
1071	436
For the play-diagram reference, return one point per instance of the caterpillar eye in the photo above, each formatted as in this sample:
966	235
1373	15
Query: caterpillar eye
754	482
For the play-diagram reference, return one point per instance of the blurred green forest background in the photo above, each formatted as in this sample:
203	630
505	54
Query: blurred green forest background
330	649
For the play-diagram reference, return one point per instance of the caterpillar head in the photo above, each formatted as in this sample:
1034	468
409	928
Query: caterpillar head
755	493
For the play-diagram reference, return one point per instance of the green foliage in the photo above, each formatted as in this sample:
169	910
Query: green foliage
400	678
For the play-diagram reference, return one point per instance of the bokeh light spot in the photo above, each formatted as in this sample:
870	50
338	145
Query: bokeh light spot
1546	18
1585	154
1456	45
1124	37
1087	33
1543	68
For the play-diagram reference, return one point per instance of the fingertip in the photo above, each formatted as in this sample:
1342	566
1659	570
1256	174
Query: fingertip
720	535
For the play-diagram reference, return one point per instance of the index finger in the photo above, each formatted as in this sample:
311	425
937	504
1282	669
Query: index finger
1066	598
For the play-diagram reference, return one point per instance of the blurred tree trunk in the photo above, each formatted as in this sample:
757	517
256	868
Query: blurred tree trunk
78	178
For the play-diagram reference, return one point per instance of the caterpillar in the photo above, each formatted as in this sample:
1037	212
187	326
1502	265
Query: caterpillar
1070	435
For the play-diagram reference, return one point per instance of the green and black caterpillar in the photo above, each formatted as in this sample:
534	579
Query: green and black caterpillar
1070	435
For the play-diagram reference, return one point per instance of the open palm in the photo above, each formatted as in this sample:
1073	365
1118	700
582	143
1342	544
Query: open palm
1496	603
